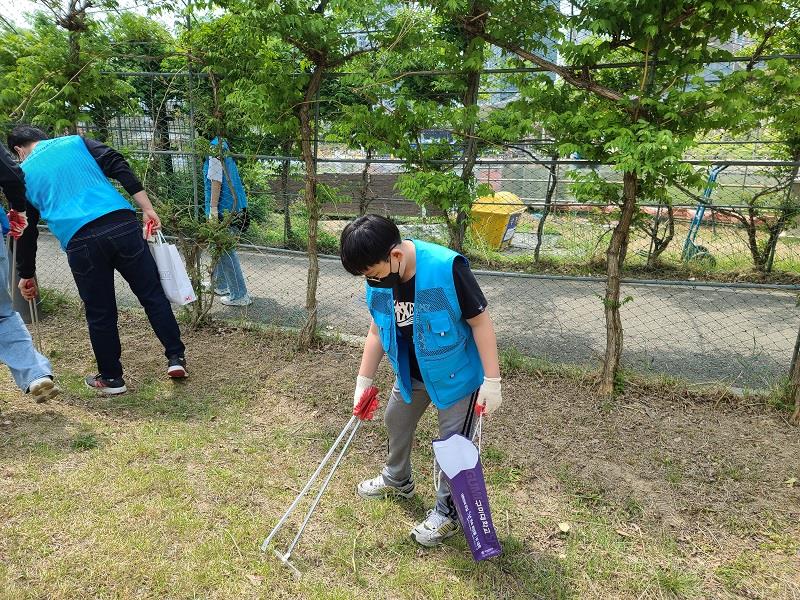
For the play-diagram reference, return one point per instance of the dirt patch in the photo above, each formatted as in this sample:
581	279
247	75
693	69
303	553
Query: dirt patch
713	483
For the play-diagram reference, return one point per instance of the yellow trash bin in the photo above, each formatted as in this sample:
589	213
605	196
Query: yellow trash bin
494	218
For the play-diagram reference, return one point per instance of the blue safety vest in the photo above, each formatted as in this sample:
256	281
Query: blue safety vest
226	200
68	188
446	352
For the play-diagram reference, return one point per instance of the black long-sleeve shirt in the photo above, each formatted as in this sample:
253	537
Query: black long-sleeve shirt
114	166
12	180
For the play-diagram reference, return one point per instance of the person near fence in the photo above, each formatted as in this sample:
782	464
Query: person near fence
429	317
30	369
67	185
226	198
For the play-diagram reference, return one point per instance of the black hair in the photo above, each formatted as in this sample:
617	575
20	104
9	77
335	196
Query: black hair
366	241
22	135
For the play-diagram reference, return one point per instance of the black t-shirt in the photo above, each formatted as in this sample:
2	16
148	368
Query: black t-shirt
470	299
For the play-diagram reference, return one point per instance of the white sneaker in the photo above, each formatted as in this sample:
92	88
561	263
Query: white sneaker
435	529
377	488
218	290
245	300
43	389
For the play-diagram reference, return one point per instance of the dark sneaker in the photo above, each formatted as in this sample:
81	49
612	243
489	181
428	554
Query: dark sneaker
43	389
107	386
177	367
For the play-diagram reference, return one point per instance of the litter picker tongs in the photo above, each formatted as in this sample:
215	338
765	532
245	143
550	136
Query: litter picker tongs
363	411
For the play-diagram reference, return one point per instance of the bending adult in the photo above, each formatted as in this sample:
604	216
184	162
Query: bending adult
67	185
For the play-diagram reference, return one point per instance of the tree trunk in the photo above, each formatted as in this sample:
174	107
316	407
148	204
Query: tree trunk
287	217
478	20
660	244
73	76
366	181
548	202
615	257
161	140
308	332
759	259
794	380
772	241
470	156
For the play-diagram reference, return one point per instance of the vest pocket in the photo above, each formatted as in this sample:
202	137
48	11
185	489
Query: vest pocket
447	375
384	324
439	330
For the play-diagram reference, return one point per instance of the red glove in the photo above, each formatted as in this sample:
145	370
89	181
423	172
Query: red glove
367	404
28	288
18	222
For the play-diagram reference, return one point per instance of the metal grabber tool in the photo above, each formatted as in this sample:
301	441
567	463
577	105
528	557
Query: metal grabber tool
13	264
363	411
11	244
37	331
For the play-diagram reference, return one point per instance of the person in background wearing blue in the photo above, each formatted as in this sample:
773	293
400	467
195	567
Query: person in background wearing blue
225	194
31	371
67	184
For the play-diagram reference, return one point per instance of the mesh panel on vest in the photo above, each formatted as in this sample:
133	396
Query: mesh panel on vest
382	303
434	299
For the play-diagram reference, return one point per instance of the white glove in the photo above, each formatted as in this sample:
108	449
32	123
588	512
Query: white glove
362	383
489	395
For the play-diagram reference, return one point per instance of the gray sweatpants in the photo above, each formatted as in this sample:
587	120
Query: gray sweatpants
401	420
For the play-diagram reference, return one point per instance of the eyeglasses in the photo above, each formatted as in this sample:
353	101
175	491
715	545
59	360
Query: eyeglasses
375	278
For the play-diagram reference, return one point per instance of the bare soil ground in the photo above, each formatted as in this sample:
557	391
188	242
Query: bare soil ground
168	491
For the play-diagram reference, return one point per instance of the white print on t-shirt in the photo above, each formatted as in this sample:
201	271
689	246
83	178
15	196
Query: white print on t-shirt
404	313
214	169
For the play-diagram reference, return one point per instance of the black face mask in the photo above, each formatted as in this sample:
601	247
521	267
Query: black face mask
392	280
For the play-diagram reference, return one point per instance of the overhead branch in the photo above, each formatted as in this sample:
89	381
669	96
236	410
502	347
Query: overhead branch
759	51
347	57
568	74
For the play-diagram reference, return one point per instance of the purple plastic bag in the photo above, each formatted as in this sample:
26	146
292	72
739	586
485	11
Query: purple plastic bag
461	466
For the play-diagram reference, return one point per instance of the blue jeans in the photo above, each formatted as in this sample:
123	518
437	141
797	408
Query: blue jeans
228	275
93	254
16	346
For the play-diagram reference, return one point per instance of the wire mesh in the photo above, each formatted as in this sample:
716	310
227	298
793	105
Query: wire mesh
544	288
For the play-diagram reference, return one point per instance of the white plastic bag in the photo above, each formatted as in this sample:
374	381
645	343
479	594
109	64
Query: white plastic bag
172	271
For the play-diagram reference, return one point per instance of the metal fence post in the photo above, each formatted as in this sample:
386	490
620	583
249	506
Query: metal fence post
193	153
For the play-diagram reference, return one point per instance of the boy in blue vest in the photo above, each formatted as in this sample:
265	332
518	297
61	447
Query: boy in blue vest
67	185
429	317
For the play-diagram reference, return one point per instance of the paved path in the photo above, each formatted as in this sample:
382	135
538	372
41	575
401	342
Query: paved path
741	336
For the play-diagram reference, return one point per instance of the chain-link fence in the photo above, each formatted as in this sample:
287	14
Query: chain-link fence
687	313
738	334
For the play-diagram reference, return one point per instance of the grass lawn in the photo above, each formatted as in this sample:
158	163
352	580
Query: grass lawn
168	491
